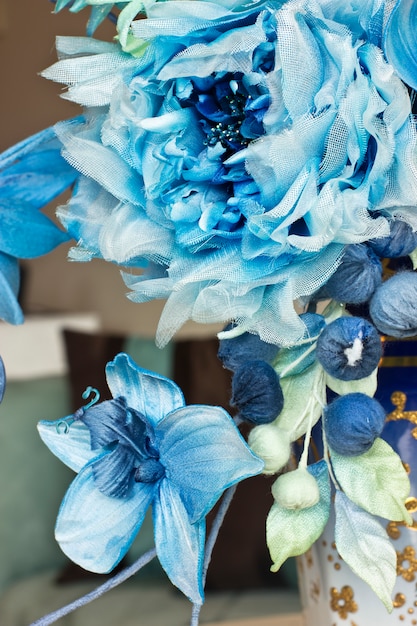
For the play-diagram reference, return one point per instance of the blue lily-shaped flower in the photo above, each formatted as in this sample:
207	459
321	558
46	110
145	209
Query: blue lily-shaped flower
145	448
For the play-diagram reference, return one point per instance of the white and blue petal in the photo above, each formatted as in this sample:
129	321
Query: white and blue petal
70	442
151	394
179	543
203	454
400	45
94	530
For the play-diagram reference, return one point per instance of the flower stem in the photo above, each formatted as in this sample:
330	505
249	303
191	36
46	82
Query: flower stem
99	591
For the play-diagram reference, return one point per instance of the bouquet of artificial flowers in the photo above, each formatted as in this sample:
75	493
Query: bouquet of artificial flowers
253	164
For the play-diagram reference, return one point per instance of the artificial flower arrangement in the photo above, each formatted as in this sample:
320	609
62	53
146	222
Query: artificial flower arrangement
252	163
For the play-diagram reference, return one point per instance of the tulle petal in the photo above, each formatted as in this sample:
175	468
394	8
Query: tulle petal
400	45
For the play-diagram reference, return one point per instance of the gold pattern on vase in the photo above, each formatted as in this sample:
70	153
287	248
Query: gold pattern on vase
309	558
315	590
393	529
399	400
399	600
342	601
407	564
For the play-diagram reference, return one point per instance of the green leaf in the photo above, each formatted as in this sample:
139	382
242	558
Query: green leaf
304	396
126	17
375	481
365	547
367	385
290	532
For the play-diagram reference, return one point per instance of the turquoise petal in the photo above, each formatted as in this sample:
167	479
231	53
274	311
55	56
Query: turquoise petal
10	310
151	394
25	232
70	443
94	530
400	42
179	544
204	454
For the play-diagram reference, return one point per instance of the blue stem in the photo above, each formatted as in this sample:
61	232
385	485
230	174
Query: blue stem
99	591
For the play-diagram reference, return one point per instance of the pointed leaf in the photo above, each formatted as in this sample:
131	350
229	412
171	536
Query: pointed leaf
375	481
367	385
299	407
364	545
290	532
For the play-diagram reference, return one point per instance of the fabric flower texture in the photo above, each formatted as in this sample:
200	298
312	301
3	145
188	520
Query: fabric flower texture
32	173
145	448
234	153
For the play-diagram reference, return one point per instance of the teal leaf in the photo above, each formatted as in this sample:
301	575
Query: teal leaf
301	409
365	547
375	481
367	385
290	532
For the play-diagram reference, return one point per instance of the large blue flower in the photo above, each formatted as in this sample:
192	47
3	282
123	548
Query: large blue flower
145	448
236	154
32	173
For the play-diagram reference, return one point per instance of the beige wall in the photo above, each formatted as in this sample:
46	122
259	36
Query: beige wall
29	103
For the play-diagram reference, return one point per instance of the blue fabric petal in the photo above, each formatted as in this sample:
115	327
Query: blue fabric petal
114	426
152	395
10	310
204	454
36	177
25	232
399	42
179	543
96	531
70	442
2	379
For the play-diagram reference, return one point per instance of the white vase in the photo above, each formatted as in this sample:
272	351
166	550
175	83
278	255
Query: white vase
331	594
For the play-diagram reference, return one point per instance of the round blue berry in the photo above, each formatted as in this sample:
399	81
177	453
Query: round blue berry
256	392
393	307
349	348
401	241
246	347
352	423
357	277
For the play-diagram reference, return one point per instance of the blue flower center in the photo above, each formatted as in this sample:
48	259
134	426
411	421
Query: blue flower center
230	115
149	471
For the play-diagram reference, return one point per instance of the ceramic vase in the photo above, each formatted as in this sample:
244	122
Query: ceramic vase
331	594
